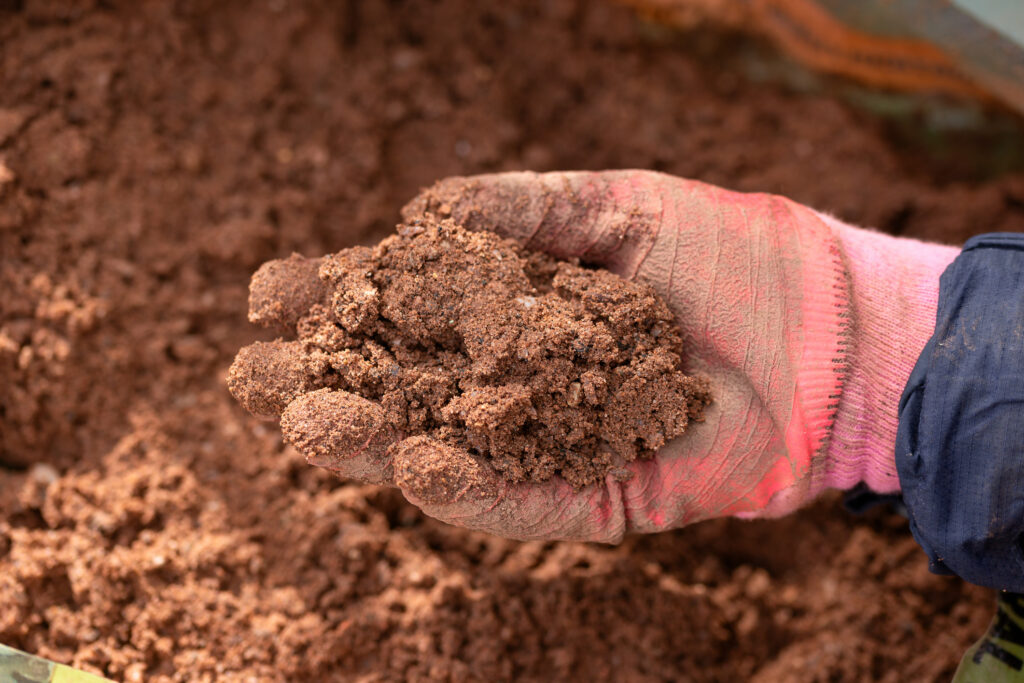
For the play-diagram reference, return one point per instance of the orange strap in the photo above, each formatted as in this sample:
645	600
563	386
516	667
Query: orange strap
810	34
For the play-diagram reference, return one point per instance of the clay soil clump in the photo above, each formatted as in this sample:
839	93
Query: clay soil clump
543	366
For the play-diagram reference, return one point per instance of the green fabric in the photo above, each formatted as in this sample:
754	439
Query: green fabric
999	656
20	667
23	668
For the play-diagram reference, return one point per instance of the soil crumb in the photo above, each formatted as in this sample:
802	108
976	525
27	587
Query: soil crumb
543	366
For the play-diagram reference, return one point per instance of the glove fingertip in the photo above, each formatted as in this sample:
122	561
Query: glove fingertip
283	290
340	431
435	474
442	198
266	376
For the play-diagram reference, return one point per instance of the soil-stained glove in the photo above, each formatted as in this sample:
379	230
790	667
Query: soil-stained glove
807	329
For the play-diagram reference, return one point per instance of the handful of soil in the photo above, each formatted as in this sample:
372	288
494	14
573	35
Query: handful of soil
542	366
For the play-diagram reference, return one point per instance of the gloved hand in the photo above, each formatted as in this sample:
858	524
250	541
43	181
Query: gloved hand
807	329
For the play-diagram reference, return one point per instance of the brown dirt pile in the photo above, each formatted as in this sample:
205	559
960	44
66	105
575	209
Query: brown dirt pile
151	530
541	365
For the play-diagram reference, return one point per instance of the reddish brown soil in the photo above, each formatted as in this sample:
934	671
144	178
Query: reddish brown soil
154	157
541	366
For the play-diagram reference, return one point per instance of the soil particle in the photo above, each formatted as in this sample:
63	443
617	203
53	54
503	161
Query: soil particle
481	345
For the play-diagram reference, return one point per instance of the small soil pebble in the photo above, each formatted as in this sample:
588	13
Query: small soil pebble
542	366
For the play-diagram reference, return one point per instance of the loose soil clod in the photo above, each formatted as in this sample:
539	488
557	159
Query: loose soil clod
543	366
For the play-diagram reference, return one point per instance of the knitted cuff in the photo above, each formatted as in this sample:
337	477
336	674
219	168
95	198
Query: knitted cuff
894	288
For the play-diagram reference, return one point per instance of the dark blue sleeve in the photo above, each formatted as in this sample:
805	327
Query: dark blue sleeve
960	443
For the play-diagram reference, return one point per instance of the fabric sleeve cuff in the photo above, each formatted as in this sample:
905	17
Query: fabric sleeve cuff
960	439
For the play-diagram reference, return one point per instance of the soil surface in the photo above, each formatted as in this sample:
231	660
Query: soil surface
541	366
155	154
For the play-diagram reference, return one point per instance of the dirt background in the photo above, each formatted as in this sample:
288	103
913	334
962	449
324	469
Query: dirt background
155	154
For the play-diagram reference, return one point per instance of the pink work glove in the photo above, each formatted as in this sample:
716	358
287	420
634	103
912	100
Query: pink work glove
807	329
